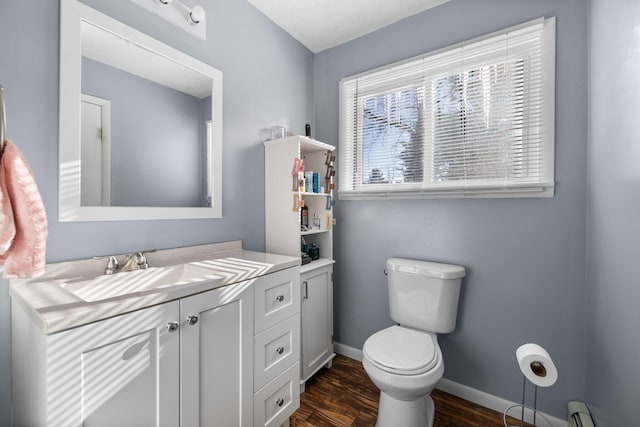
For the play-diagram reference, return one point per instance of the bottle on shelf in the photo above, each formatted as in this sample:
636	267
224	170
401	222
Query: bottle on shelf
308	178
316	182
314	252
304	218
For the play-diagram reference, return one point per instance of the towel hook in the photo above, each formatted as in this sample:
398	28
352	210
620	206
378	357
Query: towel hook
3	120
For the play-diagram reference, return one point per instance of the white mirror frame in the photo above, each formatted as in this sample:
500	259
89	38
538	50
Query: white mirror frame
70	209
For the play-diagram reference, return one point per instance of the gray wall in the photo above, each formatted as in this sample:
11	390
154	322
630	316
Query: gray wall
613	316
156	138
525	258
267	81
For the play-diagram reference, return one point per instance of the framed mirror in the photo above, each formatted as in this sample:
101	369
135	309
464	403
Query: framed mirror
140	125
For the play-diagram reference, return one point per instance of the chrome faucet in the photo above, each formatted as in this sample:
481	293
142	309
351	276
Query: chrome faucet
134	261
112	265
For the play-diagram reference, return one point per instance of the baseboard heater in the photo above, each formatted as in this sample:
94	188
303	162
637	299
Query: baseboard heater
579	415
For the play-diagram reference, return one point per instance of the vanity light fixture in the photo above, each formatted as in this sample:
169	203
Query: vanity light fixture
192	19
196	15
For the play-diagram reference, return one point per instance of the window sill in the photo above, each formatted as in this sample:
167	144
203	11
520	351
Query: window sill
468	193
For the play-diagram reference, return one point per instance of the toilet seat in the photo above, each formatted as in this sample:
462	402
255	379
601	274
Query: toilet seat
402	351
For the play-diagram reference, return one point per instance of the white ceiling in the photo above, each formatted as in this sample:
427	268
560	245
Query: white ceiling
323	24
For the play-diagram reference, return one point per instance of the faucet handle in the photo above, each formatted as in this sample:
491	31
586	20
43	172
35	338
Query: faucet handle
112	265
143	263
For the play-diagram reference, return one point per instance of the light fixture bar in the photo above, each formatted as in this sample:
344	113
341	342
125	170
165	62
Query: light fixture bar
191	19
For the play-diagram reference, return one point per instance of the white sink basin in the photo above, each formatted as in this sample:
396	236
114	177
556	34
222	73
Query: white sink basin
139	282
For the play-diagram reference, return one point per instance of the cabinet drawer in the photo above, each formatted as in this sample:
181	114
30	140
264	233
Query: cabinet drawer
277	296
278	400
275	350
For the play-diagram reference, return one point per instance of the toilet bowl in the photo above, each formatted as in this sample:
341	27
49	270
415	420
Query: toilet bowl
405	364
404	361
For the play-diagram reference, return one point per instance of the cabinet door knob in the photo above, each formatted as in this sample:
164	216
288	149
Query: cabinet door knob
306	290
172	326
280	298
280	401
280	350
192	320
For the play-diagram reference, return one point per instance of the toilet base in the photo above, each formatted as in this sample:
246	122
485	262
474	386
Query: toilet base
406	413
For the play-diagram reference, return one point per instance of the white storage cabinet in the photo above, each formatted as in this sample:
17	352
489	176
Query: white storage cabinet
283	236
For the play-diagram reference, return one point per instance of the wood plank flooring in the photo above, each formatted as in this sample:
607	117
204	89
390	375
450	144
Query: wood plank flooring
345	396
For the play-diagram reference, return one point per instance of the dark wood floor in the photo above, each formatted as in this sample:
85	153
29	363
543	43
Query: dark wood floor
344	396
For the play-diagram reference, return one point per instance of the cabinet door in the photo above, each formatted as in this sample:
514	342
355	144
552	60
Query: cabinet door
217	357
122	371
317	320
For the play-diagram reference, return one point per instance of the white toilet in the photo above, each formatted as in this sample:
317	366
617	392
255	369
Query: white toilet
404	361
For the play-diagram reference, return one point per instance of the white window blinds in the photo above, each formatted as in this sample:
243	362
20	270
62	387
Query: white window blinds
475	119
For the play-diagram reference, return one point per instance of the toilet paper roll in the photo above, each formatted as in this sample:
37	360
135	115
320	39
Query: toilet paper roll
536	364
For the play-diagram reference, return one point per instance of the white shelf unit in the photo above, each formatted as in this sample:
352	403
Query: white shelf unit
283	236
282	222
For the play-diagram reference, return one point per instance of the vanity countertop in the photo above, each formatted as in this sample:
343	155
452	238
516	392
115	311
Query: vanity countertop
54	308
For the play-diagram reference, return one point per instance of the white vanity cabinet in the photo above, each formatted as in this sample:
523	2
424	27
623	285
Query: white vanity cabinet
317	320
188	363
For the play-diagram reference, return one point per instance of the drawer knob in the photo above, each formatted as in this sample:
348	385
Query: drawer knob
172	326
192	320
280	401
280	298
280	350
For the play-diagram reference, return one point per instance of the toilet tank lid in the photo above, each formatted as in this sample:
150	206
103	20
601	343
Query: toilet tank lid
426	268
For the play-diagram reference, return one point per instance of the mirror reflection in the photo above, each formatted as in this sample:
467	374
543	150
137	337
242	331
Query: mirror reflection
146	129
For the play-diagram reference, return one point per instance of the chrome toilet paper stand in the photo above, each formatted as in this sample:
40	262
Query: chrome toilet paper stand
539	370
535	401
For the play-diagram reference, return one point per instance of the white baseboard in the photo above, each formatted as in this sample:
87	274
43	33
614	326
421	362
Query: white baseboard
478	397
345	350
496	403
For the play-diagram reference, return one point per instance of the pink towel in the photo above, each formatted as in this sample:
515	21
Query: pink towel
7	226
23	220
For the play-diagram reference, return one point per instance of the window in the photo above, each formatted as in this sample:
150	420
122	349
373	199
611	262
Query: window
472	120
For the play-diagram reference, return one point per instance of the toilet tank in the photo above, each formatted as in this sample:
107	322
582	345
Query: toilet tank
424	295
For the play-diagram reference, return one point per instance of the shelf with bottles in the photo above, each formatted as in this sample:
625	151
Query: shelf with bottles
313	169
317	245
316	213
315	218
